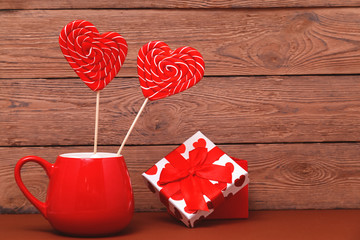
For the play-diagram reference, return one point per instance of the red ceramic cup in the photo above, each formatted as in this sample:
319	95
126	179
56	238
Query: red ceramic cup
88	195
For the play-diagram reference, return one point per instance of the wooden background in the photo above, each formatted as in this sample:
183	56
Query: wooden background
282	90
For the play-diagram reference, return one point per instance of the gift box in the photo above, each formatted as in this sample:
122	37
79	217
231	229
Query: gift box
195	179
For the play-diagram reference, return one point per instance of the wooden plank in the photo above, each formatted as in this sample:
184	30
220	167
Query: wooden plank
283	176
45	112
233	42
118	4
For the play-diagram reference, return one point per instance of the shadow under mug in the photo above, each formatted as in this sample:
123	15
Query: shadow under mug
87	195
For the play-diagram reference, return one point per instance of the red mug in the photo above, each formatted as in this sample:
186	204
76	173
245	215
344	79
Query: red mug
88	195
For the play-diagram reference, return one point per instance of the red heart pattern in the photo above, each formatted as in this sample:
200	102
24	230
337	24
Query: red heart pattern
96	58
163	72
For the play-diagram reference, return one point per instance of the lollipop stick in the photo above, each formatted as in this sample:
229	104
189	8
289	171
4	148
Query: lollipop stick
132	126
96	121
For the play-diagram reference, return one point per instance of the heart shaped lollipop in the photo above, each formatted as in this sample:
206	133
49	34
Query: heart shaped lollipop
164	72
96	58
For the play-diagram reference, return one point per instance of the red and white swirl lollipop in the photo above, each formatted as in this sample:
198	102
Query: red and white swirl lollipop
96	58
164	72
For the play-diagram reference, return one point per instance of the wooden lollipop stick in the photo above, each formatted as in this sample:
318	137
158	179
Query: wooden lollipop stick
96	121
132	126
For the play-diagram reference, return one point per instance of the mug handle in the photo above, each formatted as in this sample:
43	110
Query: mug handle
41	206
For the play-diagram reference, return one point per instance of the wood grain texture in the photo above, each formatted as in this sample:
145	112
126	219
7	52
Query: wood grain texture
45	112
232	41
121	4
283	176
300	134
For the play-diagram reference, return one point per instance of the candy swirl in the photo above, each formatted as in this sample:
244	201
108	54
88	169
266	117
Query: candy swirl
95	58
163	72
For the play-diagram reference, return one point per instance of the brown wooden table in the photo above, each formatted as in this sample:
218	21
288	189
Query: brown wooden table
289	225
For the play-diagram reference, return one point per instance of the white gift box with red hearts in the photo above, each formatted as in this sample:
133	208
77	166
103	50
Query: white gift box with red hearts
178	201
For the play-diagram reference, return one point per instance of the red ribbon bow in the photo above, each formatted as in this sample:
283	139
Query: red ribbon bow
191	177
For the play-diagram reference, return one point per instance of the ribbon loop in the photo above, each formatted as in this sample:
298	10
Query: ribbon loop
191	177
